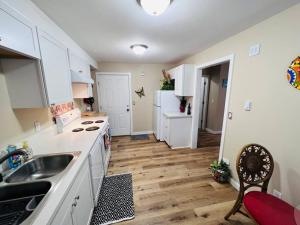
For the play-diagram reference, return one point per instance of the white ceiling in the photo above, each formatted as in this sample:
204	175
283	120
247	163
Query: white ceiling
107	28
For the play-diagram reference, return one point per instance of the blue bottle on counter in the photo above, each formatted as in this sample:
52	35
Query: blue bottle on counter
15	160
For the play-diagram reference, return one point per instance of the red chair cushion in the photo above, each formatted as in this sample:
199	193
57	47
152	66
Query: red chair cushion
269	210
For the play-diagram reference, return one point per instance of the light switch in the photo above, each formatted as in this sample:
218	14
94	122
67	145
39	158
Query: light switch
37	126
248	105
254	50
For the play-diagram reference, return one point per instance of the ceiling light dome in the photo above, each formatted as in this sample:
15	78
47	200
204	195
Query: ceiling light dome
139	49
155	7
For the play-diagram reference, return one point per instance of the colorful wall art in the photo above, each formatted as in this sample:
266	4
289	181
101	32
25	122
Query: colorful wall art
293	74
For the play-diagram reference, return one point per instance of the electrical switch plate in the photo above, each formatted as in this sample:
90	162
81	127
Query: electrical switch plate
37	126
225	160
254	50
248	105
277	194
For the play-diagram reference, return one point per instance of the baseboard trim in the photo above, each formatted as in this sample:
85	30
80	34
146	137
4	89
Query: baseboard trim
234	184
142	132
213	131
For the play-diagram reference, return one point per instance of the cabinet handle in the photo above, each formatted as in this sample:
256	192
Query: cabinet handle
80	71
74	204
77	198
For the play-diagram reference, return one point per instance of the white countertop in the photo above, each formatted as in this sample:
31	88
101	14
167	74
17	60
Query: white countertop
49	141
176	115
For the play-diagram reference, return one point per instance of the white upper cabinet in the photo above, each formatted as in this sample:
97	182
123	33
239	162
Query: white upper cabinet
184	76
78	65
17	33
56	70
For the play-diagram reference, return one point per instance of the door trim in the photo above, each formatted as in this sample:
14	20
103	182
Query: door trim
204	98
130	91
196	99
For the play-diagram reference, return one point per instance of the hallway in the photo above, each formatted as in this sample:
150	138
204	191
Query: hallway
206	139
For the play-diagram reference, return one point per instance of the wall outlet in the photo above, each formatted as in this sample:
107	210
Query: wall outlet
227	161
37	126
254	50
277	194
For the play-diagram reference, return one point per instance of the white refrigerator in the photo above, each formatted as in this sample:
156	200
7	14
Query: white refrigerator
164	101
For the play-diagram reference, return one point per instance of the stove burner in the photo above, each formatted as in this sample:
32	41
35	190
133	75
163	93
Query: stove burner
77	130
92	128
99	121
87	122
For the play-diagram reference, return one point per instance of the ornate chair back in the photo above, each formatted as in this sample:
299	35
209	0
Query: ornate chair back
254	167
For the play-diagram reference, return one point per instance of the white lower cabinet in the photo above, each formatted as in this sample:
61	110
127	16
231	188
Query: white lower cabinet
177	131
77	207
96	160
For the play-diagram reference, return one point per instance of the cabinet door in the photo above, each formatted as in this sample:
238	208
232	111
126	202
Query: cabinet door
97	167
179	81
57	76
166	125
82	212
79	65
68	217
65	215
17	33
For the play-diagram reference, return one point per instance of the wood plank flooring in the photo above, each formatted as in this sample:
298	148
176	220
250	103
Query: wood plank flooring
173	187
206	139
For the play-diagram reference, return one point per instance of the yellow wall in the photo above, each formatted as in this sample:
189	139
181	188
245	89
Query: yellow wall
273	122
18	124
143	108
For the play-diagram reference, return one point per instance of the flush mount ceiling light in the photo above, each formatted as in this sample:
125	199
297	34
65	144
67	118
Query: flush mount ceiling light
139	49
155	7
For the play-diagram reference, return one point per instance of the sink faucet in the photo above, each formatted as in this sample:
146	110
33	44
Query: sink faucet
19	151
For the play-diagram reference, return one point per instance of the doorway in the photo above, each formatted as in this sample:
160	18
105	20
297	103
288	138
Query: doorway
213	94
114	98
205	93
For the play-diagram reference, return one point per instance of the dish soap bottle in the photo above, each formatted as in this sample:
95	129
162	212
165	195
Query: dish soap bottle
15	160
29	153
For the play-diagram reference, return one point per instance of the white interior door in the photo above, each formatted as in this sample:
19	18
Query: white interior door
114	99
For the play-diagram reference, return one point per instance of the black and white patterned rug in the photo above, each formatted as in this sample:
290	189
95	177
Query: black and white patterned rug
115	203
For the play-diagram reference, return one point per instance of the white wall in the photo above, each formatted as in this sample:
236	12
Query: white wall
143	107
273	122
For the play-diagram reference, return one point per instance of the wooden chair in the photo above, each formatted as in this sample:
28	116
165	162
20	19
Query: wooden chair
254	167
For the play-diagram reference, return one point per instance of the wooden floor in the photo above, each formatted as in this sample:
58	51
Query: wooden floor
206	139
173	187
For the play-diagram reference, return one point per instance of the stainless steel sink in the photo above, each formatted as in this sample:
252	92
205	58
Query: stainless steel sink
25	190
18	201
40	167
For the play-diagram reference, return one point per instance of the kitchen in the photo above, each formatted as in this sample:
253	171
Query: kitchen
100	126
